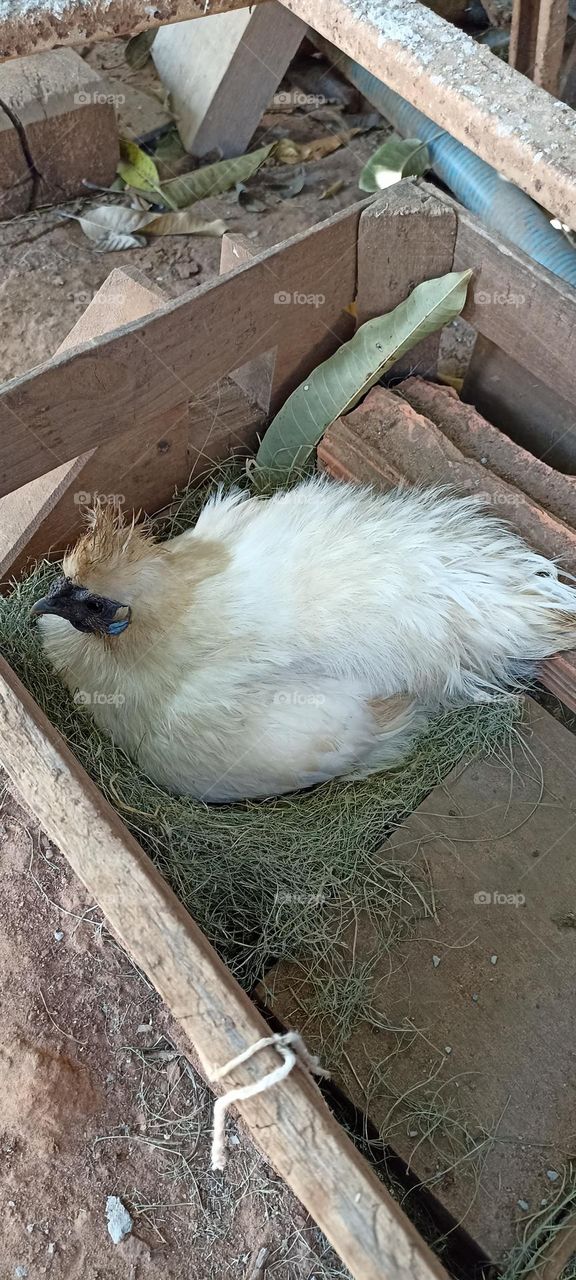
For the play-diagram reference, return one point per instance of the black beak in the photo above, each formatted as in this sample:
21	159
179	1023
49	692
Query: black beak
96	615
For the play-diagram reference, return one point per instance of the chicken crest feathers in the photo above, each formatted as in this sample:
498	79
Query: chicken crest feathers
109	542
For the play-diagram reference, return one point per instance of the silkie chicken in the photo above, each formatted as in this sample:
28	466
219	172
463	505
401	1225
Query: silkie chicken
285	641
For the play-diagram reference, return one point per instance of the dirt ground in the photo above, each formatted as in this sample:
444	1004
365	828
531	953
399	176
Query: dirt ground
97	1101
49	270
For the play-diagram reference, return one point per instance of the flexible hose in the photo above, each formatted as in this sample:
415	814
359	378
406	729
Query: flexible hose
476	184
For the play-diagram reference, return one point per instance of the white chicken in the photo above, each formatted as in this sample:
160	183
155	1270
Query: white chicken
285	641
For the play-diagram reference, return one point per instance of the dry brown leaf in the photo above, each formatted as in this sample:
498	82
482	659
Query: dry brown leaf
289	152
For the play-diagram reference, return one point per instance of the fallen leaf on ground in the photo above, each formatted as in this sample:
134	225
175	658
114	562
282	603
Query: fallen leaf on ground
113	227
287	186
137	50
397	158
289	152
212	179
332	190
136	168
183	223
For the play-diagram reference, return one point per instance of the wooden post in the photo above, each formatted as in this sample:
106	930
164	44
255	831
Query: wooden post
406	236
222	72
537	40
523	36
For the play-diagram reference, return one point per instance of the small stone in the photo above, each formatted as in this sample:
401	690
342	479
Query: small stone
51	1248
29	1227
523	1204
493	959
475	997
552	1175
21	1271
435	961
58	935
234	1140
412	1133
447	1048
119	1220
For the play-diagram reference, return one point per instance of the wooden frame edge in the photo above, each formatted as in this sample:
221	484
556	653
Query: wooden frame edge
291	1123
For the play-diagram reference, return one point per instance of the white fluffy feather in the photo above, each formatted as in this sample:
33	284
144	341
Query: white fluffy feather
266	641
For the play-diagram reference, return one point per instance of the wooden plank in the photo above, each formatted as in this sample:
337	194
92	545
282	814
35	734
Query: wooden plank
406	236
223	71
290	296
290	1123
526	135
523	36
256	377
489	1023
550	40
48	509
216	426
525	310
517	402
556	1255
32	27
268	379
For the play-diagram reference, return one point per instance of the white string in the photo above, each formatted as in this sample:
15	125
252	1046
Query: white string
290	1056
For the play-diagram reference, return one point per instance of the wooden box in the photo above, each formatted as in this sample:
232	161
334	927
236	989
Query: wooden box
266	323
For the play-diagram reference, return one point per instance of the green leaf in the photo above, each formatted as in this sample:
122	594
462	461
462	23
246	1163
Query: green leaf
397	158
138	171
340	382
183	223
137	51
136	168
215	178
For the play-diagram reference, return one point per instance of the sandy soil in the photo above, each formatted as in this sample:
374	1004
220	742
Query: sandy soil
49	270
97	1101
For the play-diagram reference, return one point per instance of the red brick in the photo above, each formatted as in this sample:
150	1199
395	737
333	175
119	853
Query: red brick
384	438
476	438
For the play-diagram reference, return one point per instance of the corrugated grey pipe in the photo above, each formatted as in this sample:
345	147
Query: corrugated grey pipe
476	184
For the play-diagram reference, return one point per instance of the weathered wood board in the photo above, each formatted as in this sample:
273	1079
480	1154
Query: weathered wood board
487	987
291	1122
519	403
132	377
